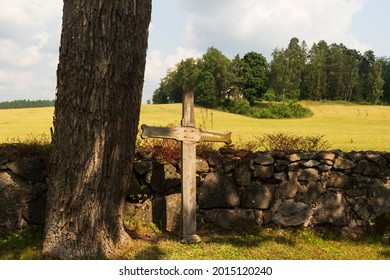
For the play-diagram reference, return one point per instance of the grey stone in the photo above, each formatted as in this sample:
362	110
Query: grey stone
281	176
324	167
258	197
367	168
138	211
14	201
201	166
331	208
310	163
243	173
313	192
142	167
263	172
327	162
259	217
215	161
338	180
327	156
293	175
163	177
310	174
280	165
166	212
361	209
229	165
218	190
30	169
292	213
306	156
342	163
293	157
378	159
355	156
264	159
294	166
288	189
238	218
379	196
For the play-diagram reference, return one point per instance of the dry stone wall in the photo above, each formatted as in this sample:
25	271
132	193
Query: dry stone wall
345	191
22	193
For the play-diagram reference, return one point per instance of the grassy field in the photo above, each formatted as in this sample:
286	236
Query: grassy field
345	126
271	244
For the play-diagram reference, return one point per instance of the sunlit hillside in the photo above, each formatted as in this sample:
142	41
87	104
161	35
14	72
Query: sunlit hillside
345	126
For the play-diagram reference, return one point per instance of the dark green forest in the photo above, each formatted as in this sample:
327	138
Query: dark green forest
26	104
323	72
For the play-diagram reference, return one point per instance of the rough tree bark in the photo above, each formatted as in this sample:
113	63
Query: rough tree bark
99	87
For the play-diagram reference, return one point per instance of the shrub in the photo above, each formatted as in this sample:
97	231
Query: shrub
238	106
281	110
282	141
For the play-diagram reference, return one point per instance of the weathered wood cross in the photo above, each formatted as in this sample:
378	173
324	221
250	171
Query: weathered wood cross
188	135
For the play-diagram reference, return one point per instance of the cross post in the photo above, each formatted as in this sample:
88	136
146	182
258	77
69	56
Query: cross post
188	135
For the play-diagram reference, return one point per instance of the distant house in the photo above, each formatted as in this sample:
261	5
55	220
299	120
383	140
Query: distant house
232	92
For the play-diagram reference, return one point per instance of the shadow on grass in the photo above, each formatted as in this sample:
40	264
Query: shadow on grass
385	254
248	240
24	246
152	252
28	245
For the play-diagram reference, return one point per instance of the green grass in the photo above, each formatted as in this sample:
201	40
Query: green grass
345	126
272	244
22	246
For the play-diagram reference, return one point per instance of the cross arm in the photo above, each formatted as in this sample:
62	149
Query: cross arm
183	133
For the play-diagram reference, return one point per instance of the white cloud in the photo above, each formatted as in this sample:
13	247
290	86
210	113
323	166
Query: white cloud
29	42
252	25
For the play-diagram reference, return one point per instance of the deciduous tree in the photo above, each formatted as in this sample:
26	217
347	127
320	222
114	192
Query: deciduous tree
99	86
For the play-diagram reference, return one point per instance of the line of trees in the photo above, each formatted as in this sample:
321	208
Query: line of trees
26	104
323	72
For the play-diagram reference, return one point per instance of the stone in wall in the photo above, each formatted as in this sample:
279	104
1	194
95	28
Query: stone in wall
379	196
243	173
264	159
288	189
166	212
378	160
138	211
142	167
22	194
310	174
367	168
338	180
30	169
258	196
291	213
263	172
343	163
14	197
218	191
312	191
163	211
228	218
331	208
163	177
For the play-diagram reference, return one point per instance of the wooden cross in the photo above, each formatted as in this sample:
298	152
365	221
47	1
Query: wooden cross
188	135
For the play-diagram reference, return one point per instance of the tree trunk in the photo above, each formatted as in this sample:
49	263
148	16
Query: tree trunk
99	87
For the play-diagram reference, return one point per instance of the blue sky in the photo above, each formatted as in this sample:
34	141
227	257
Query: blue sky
30	33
